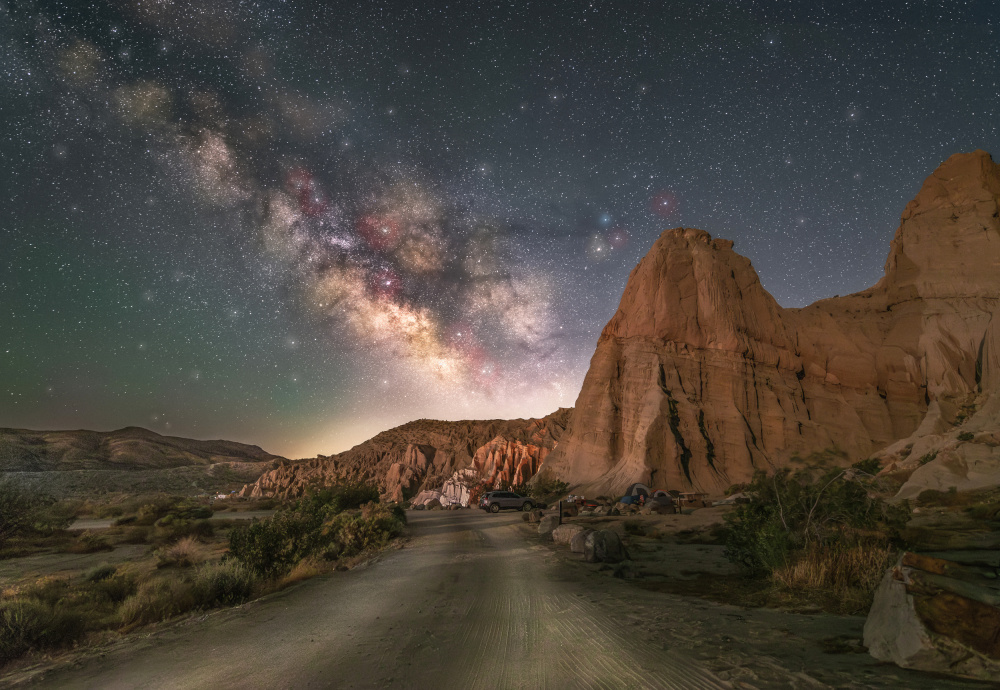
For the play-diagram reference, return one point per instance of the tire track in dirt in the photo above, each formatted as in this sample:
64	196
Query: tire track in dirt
468	603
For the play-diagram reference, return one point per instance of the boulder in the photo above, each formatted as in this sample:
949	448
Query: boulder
654	508
547	525
535	516
578	542
604	546
936	615
432	504
563	534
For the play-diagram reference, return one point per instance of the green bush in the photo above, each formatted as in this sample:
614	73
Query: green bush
169	529
870	466
158	599
90	542
546	487
27	624
223	584
100	572
23	512
790	512
927	457
316	525
966	436
373	528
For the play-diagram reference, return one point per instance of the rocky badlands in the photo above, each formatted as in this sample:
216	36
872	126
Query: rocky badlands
701	377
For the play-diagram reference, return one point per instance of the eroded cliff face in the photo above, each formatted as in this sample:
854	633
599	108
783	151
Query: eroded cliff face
700	377
424	454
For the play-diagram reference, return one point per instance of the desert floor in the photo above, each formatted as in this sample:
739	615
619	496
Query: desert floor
477	601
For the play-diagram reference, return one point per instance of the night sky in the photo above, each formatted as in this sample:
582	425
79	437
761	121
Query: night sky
296	224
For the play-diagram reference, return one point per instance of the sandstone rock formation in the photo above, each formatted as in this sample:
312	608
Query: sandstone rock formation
937	615
701	378
427	455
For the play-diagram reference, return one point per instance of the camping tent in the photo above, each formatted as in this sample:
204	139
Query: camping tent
638	490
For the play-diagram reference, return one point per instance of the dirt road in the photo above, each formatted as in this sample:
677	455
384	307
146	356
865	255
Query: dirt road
468	603
471	602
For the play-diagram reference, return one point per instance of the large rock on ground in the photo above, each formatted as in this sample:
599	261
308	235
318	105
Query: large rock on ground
578	543
604	546
701	378
936	615
563	534
547	525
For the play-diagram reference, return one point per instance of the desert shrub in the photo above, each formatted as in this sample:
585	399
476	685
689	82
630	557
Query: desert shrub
100	572
24	512
868	466
273	546
373	528
546	487
792	512
27	624
90	542
927	457
116	588
171	529
160	508
131	534
966	436
223	584
156	600
183	553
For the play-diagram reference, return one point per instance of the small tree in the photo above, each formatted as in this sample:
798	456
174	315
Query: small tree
795	511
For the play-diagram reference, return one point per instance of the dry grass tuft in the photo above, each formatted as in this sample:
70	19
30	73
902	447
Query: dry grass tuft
851	573
182	554
303	570
157	600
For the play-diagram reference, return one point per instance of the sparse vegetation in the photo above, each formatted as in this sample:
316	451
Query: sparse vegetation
23	513
547	489
966	436
183	573
325	524
823	533
184	553
927	457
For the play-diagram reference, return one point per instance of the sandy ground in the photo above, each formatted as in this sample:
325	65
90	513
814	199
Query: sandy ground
475	601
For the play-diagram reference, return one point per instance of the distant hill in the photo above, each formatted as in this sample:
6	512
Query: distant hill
133	459
131	448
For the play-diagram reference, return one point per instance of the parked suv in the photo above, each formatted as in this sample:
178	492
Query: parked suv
494	501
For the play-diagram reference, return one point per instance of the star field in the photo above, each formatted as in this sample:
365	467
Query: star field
297	224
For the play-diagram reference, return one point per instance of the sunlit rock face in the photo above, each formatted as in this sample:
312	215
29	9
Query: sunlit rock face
700	377
446	457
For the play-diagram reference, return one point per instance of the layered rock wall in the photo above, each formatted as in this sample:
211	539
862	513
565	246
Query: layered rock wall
701	378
